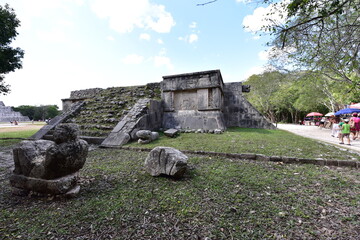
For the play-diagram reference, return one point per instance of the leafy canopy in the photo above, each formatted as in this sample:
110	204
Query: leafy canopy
318	35
38	112
10	58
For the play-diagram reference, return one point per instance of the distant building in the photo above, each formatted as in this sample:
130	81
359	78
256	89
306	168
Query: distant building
7	114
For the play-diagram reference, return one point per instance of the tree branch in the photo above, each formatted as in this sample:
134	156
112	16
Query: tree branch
203	4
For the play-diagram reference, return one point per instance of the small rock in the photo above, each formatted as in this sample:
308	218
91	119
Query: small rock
218	131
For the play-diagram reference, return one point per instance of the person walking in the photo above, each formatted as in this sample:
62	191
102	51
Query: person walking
345	131
335	127
355	125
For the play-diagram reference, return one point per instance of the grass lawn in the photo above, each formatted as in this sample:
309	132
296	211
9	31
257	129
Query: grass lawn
250	140
218	198
26	131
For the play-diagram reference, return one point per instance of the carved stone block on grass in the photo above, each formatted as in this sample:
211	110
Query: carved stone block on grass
50	167
172	133
166	161
146	136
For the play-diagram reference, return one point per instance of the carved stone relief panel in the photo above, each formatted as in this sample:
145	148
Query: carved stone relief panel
185	100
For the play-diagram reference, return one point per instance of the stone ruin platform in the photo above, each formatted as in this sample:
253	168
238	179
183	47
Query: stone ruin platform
192	101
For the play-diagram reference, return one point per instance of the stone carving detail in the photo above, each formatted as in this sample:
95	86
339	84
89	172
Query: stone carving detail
245	88
167	161
50	167
146	136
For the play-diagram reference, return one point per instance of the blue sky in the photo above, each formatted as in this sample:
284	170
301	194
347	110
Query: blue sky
79	44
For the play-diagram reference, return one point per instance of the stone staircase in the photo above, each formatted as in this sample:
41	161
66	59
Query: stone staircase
100	114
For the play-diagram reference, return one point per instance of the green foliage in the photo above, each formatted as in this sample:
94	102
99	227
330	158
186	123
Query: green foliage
10	58
38	112
262	91
288	97
320	36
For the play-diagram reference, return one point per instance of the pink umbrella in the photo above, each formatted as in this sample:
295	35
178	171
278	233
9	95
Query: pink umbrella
356	105
312	114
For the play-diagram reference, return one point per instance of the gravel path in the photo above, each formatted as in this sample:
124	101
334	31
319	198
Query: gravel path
317	133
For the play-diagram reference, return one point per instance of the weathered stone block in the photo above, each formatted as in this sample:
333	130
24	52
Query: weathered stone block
54	186
171	133
28	155
65	158
146	136
167	161
50	167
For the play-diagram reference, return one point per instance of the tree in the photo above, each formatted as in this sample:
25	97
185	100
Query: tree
10	58
287	97
38	112
25	110
263	88
318	35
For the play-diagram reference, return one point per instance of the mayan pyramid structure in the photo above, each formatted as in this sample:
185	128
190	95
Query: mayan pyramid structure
7	114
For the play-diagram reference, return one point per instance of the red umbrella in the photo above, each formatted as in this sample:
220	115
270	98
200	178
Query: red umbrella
312	114
356	105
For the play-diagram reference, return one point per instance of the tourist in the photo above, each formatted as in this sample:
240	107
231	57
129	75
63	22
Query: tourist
345	131
322	122
335	127
355	125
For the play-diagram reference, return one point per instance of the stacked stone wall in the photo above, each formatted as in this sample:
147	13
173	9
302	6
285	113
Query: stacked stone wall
239	112
85	93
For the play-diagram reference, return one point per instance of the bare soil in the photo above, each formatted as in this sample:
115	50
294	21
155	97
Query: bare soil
21	127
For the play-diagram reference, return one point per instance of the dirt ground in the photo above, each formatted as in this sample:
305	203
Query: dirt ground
7	127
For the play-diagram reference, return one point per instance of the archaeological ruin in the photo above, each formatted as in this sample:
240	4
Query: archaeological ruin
9	115
189	102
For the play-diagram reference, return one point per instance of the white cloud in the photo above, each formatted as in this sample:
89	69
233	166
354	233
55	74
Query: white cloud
28	11
133	59
189	38
254	22
254	70
193	38
79	2
110	38
145	36
53	36
160	61
257	70
124	16
193	25
263	55
160	41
